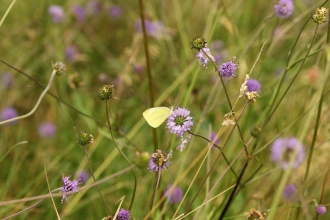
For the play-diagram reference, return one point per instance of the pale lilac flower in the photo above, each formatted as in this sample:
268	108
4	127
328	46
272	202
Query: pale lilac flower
203	59
6	80
57	13
217	45
159	161
283	149
284	8
123	215
290	193
93	7
228	70
47	129
321	209
154	29
115	11
183	143
9	113
253	85
173	195
71	53
148	24
138	68
79	12
103	78
179	122
83	176
212	138
69	186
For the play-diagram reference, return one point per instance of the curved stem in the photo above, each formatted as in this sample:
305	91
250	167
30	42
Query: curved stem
224	157
98	188
122	153
30	207
37	104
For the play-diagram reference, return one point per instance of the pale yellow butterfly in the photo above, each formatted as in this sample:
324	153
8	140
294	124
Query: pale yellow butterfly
157	115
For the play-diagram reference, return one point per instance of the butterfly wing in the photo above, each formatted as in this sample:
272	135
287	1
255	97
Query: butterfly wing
156	116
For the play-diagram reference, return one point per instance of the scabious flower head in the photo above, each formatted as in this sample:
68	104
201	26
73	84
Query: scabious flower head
102	78
179	122
284	8
8	113
290	193
123	215
254	214
69	186
283	149
320	16
106	92
149	27
76	80
321	209
57	13
253	85
79	12
203	59
115	11
255	132
138	68
6	79
84	138
198	43
228	70
59	67
159	161
47	129
173	195
71	53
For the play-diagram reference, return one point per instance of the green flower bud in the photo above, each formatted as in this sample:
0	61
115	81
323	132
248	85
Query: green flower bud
320	15
84	138
255	132
106	92
198	43
59	67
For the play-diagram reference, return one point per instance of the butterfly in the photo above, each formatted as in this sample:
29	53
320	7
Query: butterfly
157	115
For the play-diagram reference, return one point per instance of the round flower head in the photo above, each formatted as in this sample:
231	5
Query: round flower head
290	193
47	129
321	209
69	186
71	53
174	195
57	13
283	149
123	215
179	122
79	12
83	176
159	161
284	8
9	113
253	85
228	70
115	11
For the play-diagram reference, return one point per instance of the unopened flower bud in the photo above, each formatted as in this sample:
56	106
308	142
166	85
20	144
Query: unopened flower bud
320	15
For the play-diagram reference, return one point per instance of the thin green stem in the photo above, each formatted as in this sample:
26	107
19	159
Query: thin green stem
92	172
155	189
122	153
12	148
37	104
212	142
7	12
51	94
146	51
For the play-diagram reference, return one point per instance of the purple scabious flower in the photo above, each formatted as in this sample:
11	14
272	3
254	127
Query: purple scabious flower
56	12
321	209
284	8
6	80
83	176
253	85
149	27
69	186
159	161
79	12
290	193
282	150
71	53
9	113
228	70
173	195
47	129
203	59
93	7
138	68
212	138
179	122
115	11
123	215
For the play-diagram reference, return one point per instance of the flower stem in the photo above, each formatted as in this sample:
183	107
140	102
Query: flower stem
122	153
91	169
37	104
155	189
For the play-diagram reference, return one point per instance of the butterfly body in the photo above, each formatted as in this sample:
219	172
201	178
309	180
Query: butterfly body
157	115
